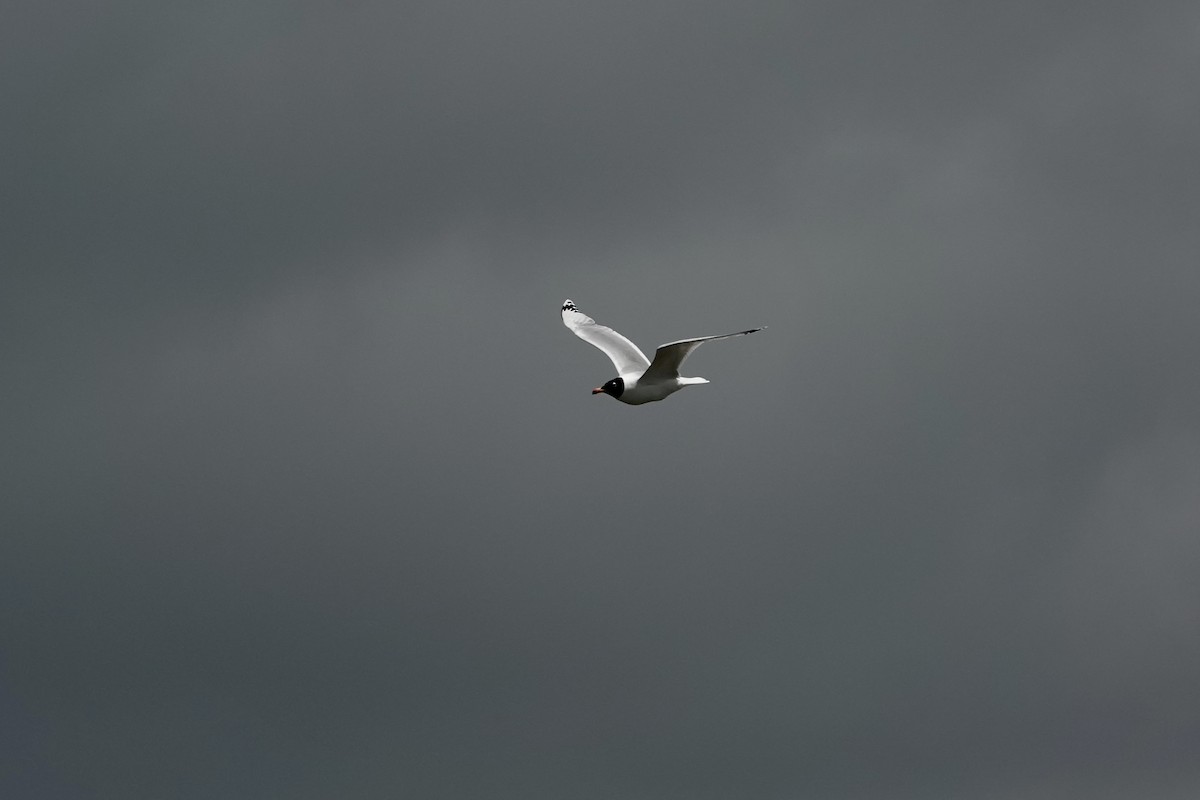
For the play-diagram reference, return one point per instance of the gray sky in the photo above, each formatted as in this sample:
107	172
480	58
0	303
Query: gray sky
306	495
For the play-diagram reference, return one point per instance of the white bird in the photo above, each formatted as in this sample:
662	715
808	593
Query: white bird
639	380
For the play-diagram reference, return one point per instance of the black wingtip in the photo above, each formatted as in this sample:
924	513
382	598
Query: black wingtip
569	306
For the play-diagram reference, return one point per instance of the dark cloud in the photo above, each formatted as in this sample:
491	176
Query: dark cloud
307	495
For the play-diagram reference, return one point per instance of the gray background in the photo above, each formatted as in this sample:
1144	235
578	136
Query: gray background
305	495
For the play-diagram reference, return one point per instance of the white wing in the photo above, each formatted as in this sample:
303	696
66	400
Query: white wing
624	354
670	356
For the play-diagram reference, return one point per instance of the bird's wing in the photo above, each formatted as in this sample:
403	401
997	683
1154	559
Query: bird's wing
624	354
670	356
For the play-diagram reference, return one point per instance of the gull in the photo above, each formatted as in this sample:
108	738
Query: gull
639	380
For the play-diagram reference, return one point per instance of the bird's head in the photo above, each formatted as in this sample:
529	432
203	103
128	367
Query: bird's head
614	387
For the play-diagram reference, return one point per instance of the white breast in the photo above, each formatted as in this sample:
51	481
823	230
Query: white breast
649	392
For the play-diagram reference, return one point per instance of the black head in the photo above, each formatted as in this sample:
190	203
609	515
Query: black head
615	387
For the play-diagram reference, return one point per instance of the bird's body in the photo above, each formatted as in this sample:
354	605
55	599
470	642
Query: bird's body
639	379
649	391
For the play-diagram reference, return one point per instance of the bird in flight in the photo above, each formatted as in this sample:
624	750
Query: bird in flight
639	380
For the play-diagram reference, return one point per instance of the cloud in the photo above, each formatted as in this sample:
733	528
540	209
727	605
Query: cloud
308	494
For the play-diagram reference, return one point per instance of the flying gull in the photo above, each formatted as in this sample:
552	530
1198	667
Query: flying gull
639	380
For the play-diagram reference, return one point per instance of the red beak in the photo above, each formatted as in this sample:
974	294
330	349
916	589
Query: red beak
597	391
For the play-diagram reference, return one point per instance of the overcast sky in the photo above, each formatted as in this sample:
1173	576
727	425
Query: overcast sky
305	494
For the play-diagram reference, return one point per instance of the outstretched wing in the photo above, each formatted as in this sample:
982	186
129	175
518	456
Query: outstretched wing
670	356
624	354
